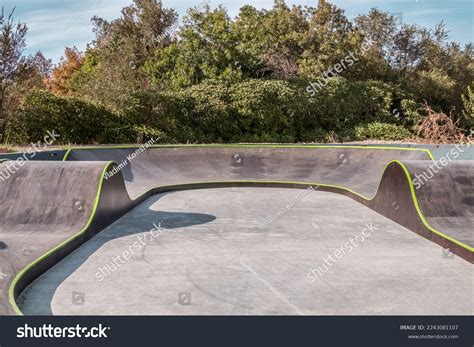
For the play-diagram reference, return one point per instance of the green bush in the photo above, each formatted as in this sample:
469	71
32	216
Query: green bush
342	104
315	135
281	111
218	112
381	131
75	121
265	108
202	113
147	133
147	114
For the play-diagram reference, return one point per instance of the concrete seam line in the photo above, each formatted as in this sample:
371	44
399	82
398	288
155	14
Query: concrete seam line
22	272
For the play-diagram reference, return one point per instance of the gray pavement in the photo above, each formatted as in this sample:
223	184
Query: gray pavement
251	251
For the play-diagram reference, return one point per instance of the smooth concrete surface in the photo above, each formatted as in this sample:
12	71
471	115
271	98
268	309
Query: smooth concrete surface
41	205
249	251
446	196
354	168
447	199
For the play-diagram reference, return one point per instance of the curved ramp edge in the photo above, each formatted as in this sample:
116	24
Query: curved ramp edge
379	194
173	165
112	201
396	198
68	152
446	196
109	202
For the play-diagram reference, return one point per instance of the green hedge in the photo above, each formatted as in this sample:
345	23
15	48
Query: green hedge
217	112
381	131
274	110
75	121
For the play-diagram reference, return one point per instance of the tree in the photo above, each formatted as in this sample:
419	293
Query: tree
59	83
113	65
329	39
12	61
33	74
206	49
380	28
273	39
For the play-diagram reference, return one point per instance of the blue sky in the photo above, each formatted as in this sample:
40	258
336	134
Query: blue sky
54	24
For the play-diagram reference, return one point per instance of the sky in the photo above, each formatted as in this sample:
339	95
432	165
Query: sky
55	24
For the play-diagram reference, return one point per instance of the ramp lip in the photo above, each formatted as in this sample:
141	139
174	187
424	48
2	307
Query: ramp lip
426	150
418	210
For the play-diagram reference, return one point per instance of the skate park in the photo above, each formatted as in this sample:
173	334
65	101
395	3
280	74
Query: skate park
238	229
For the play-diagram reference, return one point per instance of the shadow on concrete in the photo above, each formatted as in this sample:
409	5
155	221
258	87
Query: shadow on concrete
142	219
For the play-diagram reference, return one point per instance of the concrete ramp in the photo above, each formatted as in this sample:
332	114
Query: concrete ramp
49	208
440	210
399	183
446	196
355	168
46	210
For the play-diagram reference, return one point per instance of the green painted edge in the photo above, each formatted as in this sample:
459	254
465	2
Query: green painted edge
96	203
405	170
68	152
426	150
420	213
19	275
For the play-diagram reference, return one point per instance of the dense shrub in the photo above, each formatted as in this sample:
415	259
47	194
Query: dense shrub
217	112
343	104
316	135
381	131
202	113
212	77
74	120
266	109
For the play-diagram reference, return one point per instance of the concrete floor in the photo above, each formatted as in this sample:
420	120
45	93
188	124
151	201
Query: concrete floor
243	251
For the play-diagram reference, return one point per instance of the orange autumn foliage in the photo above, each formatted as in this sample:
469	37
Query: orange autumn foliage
62	72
